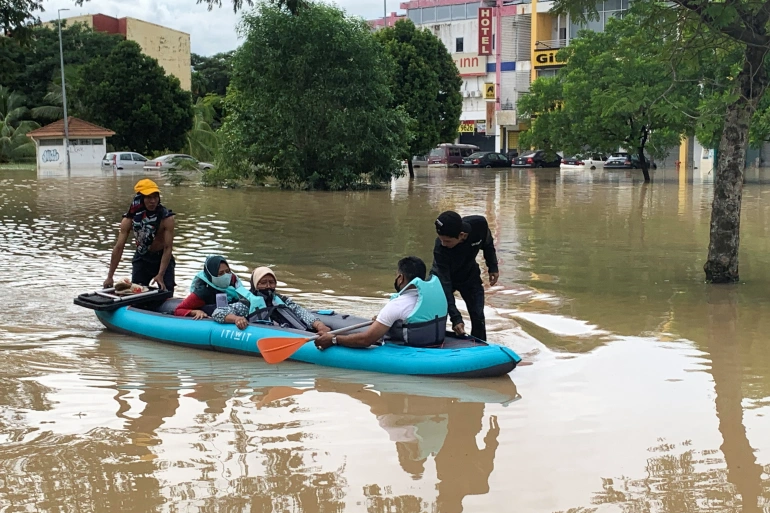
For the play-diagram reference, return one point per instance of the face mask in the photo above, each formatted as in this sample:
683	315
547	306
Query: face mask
268	292
395	285
222	281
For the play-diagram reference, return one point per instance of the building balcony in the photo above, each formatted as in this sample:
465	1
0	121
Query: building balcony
550	44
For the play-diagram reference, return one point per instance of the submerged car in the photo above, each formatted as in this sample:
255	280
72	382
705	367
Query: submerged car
123	160
486	159
538	158
172	161
624	160
583	161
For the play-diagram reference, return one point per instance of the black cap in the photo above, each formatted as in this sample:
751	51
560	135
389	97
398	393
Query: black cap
450	223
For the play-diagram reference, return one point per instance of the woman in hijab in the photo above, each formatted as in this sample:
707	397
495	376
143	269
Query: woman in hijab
269	307
215	278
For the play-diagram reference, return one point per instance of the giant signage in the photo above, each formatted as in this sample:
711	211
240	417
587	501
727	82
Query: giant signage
485	31
467	127
470	64
547	59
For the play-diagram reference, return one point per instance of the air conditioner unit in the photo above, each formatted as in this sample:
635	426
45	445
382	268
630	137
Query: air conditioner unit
466	94
476	94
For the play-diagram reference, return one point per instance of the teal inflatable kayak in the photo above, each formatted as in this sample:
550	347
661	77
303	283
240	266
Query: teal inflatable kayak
458	357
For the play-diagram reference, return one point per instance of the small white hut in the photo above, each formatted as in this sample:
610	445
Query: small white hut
87	146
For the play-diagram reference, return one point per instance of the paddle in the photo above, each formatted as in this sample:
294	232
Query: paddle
277	349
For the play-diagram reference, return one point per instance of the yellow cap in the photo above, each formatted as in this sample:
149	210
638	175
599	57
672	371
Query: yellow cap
146	187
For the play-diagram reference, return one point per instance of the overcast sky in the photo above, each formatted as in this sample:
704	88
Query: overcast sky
210	32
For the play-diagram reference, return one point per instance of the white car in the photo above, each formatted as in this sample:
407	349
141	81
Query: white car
166	162
587	161
121	160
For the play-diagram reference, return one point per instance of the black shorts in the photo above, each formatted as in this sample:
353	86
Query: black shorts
145	267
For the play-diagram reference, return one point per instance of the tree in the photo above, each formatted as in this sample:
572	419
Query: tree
211	75
33	65
129	93
309	102
425	83
742	24
615	90
201	141
293	6
14	143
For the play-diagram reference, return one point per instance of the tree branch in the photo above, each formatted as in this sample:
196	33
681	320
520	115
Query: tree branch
735	31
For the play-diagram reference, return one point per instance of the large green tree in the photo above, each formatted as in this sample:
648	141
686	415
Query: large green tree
129	93
32	65
426	83
741	24
211	75
614	91
309	102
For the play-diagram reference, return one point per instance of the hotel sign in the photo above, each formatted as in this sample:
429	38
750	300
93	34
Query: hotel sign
485	31
470	64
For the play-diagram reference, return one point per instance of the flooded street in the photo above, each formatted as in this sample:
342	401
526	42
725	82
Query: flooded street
649	391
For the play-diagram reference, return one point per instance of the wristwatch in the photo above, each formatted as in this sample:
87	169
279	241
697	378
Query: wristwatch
334	340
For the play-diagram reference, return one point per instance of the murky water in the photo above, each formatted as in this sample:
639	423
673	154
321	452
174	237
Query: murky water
649	391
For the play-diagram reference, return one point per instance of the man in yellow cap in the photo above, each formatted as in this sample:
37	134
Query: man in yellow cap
153	226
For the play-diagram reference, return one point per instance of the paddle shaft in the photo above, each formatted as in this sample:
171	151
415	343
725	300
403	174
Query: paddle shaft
343	330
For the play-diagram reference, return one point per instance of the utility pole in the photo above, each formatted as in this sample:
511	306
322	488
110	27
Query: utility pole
384	13
64	99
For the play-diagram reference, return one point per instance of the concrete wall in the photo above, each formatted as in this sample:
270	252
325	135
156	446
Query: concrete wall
170	47
84	154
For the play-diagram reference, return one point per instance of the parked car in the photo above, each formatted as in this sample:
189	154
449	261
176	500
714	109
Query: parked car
123	160
450	154
420	161
486	159
584	161
538	158
165	162
512	154
624	160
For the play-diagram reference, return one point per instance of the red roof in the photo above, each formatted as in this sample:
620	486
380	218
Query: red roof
77	128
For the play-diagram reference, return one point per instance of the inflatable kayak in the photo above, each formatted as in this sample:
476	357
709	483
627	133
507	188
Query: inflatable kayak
464	357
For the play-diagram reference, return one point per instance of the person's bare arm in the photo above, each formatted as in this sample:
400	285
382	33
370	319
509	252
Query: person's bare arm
117	251
168	246
375	332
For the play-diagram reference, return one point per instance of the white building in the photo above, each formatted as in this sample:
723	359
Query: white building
87	144
490	92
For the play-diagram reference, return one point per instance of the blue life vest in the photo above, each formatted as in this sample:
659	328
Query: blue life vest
426	325
234	293
279	312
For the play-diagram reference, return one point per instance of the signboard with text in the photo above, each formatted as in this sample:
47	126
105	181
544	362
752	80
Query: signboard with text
489	91
546	59
467	127
470	64
485	31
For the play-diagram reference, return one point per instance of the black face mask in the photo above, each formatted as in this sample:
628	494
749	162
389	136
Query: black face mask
268	294
395	285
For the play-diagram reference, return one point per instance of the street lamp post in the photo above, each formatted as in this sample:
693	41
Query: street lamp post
64	98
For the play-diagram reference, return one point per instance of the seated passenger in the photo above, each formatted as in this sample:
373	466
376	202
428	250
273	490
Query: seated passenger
267	306
417	314
215	278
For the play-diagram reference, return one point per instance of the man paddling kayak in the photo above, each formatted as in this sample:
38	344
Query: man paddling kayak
416	314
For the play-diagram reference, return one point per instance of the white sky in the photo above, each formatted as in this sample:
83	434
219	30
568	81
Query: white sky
210	32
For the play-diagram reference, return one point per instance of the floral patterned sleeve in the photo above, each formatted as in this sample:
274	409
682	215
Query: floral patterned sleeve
306	317
238	309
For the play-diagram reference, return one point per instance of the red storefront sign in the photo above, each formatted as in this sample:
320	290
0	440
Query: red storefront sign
485	31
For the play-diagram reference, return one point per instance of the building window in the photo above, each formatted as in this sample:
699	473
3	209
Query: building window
459	45
97	142
414	15
444	13
472	10
458	12
428	14
547	73
51	142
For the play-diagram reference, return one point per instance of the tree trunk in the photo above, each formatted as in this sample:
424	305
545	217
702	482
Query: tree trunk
752	81
411	167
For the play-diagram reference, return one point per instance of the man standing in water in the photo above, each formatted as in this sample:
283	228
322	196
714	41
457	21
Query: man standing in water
454	262
153	226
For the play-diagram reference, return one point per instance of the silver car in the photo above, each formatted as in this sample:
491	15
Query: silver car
121	160
165	162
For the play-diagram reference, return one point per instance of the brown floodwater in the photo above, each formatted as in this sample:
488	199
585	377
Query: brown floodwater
649	391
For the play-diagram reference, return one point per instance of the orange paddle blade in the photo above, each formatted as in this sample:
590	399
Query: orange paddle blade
277	349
